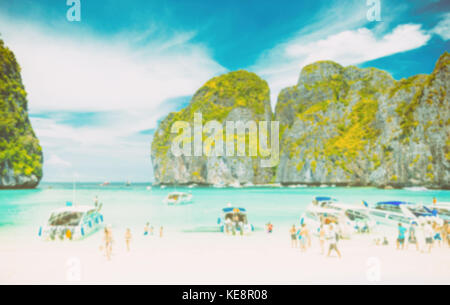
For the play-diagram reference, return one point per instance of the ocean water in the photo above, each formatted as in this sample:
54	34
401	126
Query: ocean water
23	211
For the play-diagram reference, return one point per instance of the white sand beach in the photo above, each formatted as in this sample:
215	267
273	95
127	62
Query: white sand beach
213	258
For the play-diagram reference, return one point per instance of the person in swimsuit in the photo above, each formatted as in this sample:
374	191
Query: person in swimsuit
412	238
128	238
322	239
401	237
428	232
333	241
437	233
304	233
146	229
293	232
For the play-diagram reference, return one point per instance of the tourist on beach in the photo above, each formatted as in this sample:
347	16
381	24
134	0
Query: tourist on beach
96	201
228	225
322	239
108	239
304	241
332	237
428	232
447	231
293	232
269	227
128	238
437	233
401	237
147	229
434	201
161	229
412	238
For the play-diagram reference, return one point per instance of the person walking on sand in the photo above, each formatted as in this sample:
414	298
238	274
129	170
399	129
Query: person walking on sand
322	239
293	232
401	237
128	238
108	240
332	237
437	233
304	241
269	228
147	229
428	232
412	238
446	233
161	229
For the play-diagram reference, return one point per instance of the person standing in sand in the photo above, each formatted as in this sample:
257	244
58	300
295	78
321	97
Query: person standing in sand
437	233
293	232
401	237
161	229
322	239
146	229
428	232
412	238
128	238
448	233
108	242
332	237
304	241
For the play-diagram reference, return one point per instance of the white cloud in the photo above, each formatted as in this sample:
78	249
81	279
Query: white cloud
130	75
282	67
443	27
56	161
83	72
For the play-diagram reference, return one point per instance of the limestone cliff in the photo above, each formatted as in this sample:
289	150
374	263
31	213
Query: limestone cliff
236	96
351	126
20	152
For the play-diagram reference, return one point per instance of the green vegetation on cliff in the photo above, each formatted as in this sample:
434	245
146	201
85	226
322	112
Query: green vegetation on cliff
19	147
215	100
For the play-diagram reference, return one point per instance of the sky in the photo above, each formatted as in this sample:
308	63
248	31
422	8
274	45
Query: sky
98	87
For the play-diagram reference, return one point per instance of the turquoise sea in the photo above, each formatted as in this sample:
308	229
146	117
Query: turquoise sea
23	211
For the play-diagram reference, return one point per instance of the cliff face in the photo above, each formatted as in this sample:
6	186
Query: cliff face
20	153
236	96
338	125
361	127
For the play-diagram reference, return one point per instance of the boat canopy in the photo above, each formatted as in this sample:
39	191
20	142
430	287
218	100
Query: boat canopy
324	198
395	203
234	210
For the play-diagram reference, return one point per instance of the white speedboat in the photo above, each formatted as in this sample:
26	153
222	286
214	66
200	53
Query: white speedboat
72	223
440	210
350	219
391	213
177	198
234	220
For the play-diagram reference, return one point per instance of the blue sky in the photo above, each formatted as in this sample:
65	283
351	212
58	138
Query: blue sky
97	88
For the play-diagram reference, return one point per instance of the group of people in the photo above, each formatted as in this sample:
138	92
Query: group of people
328	236
235	223
108	240
148	230
423	236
